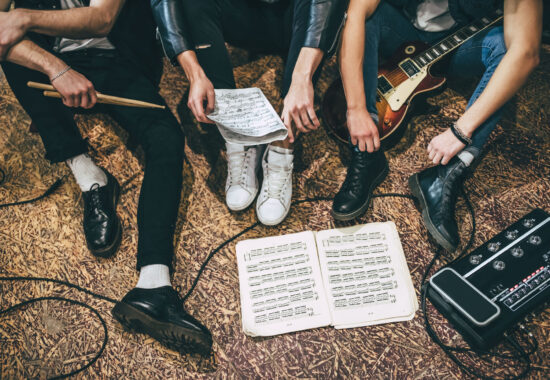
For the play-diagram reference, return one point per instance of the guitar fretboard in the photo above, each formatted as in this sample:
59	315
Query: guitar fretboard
456	39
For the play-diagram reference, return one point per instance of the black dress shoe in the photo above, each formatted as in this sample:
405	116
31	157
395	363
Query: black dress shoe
437	189
101	224
365	172
159	313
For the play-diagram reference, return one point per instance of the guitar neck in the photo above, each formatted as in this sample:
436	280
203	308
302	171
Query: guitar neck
452	42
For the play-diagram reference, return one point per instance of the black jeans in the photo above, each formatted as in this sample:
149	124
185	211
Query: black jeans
278	28
157	131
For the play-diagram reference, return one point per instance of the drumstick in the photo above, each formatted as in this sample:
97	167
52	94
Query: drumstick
101	98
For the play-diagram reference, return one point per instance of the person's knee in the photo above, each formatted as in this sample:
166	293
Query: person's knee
494	41
165	144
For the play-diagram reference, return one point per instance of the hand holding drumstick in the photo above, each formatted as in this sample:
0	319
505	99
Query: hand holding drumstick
81	93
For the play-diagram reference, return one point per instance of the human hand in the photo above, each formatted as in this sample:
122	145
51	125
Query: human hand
75	89
298	108
443	147
201	91
362	130
13	27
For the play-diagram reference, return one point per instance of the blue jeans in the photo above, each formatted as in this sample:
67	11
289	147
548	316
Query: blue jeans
388	28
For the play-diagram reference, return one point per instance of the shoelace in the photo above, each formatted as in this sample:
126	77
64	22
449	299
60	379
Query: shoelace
450	193
276	177
95	197
237	163
353	178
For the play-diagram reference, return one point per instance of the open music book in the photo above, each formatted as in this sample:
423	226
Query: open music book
347	277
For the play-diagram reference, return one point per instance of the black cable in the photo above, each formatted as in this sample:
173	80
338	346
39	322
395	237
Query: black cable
50	190
448	350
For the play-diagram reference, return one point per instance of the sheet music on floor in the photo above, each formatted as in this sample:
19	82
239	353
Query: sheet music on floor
348	277
245	116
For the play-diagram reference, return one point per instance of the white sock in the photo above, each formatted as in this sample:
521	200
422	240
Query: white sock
466	157
86	172
154	276
280	156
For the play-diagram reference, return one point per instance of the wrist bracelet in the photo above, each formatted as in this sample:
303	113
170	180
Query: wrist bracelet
60	73
459	135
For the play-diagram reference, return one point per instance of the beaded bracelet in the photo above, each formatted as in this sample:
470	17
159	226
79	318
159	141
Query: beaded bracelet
459	135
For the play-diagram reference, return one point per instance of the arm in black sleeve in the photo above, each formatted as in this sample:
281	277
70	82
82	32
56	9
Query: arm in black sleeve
169	17
326	20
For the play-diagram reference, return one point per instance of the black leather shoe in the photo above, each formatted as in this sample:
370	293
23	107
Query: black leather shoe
159	313
101	224
365	172
437	189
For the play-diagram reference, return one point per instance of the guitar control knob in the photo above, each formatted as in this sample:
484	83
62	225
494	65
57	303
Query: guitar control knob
387	122
493	247
475	259
529	223
511	235
535	239
499	265
517	252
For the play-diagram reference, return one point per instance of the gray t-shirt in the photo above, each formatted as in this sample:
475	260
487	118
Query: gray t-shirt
433	16
64	45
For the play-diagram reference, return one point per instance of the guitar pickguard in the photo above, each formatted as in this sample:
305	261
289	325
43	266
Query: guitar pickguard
398	96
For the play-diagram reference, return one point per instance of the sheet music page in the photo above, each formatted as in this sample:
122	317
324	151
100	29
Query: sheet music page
245	116
365	275
281	286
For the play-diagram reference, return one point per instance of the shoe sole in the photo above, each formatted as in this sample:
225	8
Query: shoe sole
241	208
414	185
361	210
174	337
111	249
273	223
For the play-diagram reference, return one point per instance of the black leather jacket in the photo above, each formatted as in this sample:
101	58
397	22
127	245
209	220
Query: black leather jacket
326	20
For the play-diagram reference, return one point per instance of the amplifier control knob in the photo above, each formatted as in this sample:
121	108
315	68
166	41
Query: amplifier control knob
511	235
475	259
546	257
535	239
529	223
493	247
499	265
517	252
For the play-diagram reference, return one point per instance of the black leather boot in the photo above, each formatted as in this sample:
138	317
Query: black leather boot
101	224
159	313
365	172
437	189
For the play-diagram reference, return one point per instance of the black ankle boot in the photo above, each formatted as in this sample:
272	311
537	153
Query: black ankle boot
437	189
365	172
102	227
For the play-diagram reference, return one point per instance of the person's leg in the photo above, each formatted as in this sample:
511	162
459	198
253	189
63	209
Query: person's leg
63	142
153	307
437	187
480	56
54	122
385	31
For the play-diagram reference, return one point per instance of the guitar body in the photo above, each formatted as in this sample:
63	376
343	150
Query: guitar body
395	105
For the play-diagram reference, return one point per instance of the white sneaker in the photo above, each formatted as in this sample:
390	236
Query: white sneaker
273	202
243	164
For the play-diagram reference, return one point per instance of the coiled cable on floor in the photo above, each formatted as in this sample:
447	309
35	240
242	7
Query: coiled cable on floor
448	350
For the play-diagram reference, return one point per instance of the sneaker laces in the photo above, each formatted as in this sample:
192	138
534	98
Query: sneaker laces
276	177
237	163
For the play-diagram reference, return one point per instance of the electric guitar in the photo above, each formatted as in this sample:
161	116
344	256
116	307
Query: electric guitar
402	80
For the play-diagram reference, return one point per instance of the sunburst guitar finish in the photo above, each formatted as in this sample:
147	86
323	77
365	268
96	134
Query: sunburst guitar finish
402	81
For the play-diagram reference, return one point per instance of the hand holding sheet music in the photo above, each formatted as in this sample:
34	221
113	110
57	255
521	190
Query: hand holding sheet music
245	116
